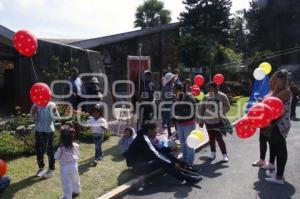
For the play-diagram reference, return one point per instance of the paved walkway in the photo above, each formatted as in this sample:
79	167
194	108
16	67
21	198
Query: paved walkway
234	180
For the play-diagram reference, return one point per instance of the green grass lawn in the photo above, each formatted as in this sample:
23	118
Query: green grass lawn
237	109
95	181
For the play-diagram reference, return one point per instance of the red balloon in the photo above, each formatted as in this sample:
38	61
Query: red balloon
3	168
195	90
25	43
199	80
244	129
218	79
40	94
260	115
276	105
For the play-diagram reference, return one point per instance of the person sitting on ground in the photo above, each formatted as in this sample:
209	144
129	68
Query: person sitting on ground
145	157
126	140
4	183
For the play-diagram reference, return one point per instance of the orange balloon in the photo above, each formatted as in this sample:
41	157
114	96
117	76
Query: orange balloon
3	168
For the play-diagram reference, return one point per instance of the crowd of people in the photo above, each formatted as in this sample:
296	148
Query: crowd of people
143	151
173	90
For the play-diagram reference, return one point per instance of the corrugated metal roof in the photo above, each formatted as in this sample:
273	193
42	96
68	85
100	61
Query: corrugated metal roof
62	41
100	41
6	35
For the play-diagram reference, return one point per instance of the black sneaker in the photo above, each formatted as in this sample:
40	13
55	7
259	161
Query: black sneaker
193	179
75	195
193	169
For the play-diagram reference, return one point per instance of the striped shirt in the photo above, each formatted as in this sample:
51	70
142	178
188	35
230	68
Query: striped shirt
44	118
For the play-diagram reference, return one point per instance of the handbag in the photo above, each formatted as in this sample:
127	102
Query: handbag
267	131
227	127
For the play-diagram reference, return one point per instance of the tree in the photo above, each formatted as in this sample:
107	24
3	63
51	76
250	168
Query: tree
205	25
273	25
151	14
209	18
239	32
59	70
197	51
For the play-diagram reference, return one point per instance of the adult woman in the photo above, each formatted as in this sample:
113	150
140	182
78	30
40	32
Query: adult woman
281	126
167	98
185	121
213	107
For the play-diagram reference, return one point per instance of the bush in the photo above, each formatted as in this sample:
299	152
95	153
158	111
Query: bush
13	145
20	119
87	136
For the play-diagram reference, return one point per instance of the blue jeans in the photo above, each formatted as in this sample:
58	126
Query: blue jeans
98	139
4	183
183	133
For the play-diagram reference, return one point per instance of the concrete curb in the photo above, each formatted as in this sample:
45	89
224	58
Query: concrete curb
137	182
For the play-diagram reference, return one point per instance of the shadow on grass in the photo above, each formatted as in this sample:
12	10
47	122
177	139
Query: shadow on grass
23	184
114	151
85	165
267	190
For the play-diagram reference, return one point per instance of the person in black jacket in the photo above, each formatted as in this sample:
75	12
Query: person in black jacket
146	95
95	91
145	157
184	109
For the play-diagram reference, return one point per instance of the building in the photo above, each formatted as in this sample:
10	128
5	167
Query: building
17	75
107	55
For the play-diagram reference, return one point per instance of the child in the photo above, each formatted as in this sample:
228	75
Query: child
67	153
44	132
98	125
126	140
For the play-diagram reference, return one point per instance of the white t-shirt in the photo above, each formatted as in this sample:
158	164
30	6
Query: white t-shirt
97	125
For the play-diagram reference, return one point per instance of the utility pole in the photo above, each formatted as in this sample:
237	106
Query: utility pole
139	84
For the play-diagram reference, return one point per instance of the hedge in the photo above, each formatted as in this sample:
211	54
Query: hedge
13	146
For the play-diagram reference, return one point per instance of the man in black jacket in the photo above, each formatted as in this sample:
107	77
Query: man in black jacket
146	96
145	157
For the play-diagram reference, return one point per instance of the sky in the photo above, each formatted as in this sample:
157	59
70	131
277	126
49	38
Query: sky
80	19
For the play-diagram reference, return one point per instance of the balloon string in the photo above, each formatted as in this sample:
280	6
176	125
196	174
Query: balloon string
32	64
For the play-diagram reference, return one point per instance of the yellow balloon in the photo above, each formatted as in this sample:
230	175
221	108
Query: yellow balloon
199	134
200	96
266	67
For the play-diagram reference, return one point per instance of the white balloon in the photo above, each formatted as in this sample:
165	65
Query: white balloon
259	74
192	141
